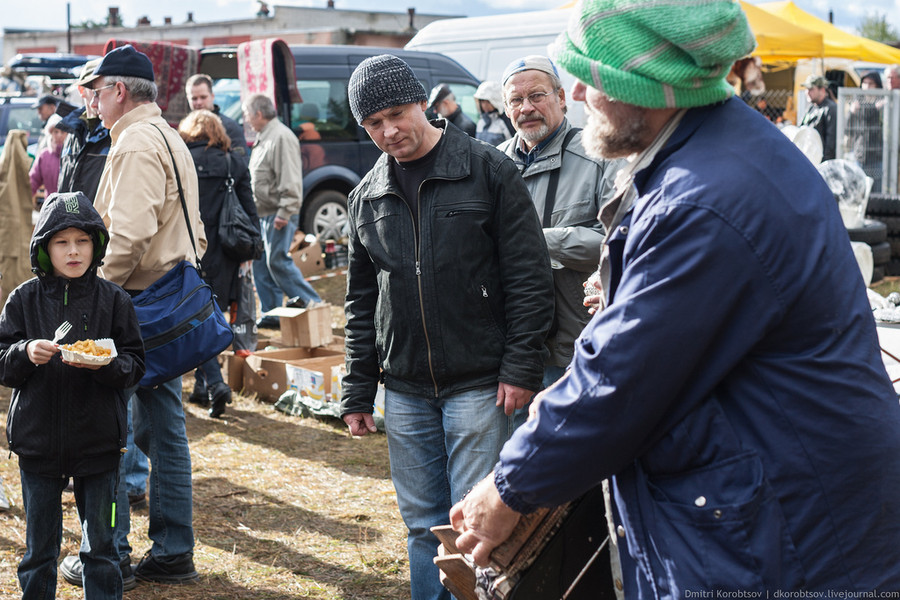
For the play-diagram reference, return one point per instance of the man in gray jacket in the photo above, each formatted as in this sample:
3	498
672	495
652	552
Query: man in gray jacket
567	188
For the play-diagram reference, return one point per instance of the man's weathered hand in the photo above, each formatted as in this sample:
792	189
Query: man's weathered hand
483	521
360	423
511	397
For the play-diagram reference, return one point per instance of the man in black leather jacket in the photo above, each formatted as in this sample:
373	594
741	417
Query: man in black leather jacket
449	300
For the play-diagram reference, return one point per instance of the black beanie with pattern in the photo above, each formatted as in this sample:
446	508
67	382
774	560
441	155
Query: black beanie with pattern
380	82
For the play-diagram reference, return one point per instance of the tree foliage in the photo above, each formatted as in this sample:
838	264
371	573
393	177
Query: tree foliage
91	24
875	26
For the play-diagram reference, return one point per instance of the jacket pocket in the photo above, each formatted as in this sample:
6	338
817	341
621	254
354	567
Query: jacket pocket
722	528
385	238
493	327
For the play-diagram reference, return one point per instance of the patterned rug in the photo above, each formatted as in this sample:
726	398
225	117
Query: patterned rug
172	66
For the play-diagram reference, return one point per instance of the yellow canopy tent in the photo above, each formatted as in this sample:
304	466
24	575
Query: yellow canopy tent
838	43
781	40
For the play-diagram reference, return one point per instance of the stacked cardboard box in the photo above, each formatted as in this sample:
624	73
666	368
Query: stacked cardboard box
270	373
304	362
306	252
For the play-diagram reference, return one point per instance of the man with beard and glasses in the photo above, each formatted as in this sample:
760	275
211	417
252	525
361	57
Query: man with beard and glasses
733	388
567	187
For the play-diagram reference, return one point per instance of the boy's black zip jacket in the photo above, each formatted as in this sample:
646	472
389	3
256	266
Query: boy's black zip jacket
64	420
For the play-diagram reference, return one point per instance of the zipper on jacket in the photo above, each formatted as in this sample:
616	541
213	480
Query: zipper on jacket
62	414
419	286
11	423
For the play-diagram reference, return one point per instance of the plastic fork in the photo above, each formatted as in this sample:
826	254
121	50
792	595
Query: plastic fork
61	331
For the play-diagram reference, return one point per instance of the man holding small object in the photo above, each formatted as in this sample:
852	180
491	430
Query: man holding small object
733	388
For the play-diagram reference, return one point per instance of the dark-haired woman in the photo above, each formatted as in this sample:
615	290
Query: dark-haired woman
205	136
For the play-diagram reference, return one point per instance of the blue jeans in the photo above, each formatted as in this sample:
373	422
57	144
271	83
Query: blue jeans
210	373
438	452
135	463
159	431
42	500
551	374
275	273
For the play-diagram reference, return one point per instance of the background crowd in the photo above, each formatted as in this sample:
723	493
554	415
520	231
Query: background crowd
707	395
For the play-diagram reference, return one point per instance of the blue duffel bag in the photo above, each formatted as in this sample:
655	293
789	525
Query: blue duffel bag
181	323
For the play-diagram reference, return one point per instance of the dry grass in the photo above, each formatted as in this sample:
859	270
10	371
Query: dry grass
284	508
887	285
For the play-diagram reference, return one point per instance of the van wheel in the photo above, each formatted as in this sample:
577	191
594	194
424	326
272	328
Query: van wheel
325	215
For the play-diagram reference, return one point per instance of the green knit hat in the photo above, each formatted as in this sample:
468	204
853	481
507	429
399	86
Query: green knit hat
656	53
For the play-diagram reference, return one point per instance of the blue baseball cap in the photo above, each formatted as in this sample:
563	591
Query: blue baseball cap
123	61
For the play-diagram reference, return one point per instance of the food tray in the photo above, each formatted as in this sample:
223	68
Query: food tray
89	359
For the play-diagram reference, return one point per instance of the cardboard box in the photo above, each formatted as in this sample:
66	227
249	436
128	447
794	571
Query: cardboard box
233	365
313	377
304	327
265	372
337	380
337	343
232	369
307	256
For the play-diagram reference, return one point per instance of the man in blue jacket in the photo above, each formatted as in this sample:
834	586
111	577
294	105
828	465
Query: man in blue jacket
87	145
733	388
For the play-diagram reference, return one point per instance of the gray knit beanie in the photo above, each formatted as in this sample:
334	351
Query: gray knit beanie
380	82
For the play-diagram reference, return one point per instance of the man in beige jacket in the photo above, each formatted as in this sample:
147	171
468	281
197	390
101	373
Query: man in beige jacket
276	173
139	202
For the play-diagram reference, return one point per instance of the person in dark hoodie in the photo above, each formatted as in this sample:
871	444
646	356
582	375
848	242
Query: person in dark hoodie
87	145
66	419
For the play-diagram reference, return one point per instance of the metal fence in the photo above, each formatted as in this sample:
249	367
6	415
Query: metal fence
868	132
775	105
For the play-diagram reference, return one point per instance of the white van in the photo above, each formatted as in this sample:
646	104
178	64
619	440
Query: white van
485	45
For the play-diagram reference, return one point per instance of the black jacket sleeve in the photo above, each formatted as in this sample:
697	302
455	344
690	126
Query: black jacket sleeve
127	368
15	368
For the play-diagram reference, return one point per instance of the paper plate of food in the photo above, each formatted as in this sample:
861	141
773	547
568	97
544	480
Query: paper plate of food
89	352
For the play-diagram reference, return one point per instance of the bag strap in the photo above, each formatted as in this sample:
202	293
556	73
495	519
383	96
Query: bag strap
229	181
187	219
554	177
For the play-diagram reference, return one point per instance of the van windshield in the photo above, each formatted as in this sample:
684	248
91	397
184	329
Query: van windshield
324	113
228	98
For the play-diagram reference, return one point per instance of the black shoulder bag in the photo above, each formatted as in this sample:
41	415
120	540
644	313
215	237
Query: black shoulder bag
239	237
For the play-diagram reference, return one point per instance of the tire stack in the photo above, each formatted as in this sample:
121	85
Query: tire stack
883	209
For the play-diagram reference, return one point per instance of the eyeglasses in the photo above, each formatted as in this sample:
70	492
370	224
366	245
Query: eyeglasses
534	99
96	91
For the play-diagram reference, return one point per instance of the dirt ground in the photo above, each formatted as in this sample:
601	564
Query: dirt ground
285	508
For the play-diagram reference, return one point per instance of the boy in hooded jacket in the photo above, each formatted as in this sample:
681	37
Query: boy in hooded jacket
68	420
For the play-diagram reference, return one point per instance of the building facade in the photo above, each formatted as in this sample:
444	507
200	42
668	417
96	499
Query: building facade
295	25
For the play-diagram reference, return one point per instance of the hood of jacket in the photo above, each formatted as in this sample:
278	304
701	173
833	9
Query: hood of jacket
73	122
59	212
